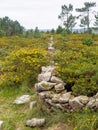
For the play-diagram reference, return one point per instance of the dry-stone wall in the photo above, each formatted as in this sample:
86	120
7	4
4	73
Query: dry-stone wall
51	90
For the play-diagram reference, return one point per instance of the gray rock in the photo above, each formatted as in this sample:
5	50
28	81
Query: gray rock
51	49
1	125
60	87
45	94
44	86
96	96
56	80
44	77
22	100
65	97
75	103
51	69
83	99
93	104
35	122
90	103
32	104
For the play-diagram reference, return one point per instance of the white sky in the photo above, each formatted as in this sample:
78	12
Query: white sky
41	13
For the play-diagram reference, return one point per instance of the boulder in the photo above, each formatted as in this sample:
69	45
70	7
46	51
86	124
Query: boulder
1	125
75	103
56	80
35	122
59	87
44	77
22	100
44	86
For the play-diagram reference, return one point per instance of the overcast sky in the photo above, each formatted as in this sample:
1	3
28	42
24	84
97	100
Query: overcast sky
41	13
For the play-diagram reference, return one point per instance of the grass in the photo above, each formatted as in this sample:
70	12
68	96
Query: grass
15	116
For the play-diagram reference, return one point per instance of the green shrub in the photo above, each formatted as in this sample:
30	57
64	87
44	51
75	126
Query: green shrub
87	42
22	66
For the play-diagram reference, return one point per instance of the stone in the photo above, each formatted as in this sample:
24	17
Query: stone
44	77
22	100
96	96
45	94
90	103
51	69
59	87
75	103
32	104
83	99
93	104
1	125
56	80
65	97
44	86
51	49
35	122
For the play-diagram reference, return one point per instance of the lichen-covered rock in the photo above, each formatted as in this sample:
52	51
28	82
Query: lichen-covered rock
44	86
45	94
75	103
83	99
59	87
44	77
92	103
65	97
35	122
51	49
51	69
96	96
22	100
56	80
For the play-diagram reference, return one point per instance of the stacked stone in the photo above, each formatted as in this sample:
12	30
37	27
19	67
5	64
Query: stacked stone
52	92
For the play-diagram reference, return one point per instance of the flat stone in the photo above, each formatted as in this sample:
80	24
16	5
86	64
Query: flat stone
83	99
45	94
65	97
75	103
51	48
44	77
90	103
44	86
35	122
96	96
22	100
51	69
59	87
56	80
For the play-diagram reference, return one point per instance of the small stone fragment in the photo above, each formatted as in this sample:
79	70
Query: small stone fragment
32	104
35	122
56	80
22	100
44	77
